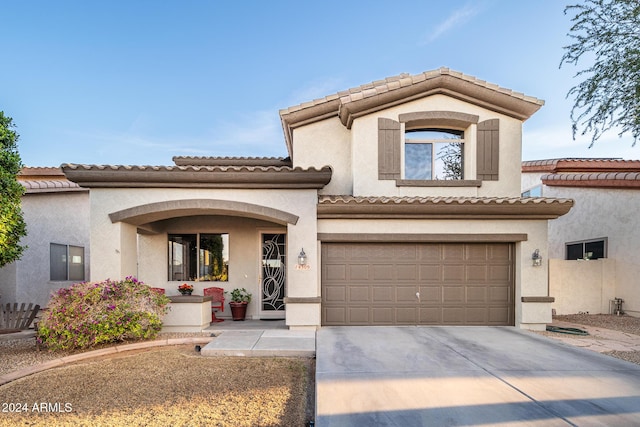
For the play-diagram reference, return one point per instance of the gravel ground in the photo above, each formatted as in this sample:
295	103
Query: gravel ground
627	324
172	386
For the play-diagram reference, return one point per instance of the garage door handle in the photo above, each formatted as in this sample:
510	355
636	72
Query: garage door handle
418	296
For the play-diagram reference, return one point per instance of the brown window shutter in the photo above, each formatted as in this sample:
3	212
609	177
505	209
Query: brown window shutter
488	149
389	141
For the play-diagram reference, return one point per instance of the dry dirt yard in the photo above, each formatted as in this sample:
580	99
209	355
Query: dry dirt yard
175	386
169	386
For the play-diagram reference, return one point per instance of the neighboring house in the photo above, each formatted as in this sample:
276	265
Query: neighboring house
56	212
403	195
592	249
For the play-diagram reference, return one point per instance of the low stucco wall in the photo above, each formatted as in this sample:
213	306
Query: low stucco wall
582	286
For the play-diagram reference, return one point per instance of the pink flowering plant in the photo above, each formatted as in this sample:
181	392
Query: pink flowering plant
87	314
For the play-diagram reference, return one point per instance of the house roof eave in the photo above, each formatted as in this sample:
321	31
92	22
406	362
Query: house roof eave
245	177
348	207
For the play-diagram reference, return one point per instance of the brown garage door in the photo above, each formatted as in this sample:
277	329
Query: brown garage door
417	284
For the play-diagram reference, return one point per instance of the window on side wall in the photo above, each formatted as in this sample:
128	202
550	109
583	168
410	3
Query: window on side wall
66	262
533	192
433	154
587	249
199	257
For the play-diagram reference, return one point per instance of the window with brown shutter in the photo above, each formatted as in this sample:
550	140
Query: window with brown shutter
488	150
389	145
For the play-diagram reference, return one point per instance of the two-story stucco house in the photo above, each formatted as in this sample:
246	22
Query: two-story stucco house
403	195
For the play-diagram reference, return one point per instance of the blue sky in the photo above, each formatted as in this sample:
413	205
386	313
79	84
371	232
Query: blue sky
138	82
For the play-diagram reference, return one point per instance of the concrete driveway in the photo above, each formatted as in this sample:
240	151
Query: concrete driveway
464	376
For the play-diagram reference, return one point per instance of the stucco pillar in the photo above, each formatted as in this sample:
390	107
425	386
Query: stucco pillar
114	252
533	302
303	290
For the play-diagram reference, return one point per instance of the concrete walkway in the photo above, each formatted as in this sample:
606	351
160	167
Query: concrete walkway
262	343
462	376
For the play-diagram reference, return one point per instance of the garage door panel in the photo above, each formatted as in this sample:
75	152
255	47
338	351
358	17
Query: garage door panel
453	252
335	252
359	272
476	316
430	294
476	294
406	272
430	316
453	315
430	252
453	273
405	252
499	315
382	316
476	273
359	294
405	294
500	294
500	252
430	273
334	294
334	315
458	284
406	316
335	273
382	272
452	294
359	315
383	294
476	252
500	273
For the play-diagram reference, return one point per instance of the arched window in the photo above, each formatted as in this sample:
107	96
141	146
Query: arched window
433	154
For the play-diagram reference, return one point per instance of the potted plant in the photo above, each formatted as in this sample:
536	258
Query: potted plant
185	289
240	298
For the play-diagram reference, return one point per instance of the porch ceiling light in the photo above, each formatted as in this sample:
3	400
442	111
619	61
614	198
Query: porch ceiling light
536	258
302	258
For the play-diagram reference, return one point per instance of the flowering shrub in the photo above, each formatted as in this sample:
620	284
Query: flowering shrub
87	314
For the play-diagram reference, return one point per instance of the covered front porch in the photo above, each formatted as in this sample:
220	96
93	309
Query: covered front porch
209	226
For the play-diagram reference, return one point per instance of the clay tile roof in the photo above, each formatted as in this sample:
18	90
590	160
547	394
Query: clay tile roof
193	176
231	161
442	207
586	172
381	94
623	180
46	180
580	165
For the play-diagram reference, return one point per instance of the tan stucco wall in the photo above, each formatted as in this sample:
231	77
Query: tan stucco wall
324	143
353	154
51	218
582	286
529	280
116	246
601	213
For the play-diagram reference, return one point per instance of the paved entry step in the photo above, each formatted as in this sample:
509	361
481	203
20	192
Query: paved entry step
260	343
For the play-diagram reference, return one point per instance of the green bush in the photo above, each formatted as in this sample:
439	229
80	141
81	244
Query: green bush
87	314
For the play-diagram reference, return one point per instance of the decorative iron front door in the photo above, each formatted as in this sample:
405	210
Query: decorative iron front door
273	272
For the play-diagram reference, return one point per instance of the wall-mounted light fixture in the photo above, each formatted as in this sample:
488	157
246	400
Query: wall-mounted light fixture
536	258
302	258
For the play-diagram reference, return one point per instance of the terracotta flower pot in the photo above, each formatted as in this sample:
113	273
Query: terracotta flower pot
238	310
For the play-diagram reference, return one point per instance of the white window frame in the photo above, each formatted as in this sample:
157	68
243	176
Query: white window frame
431	142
